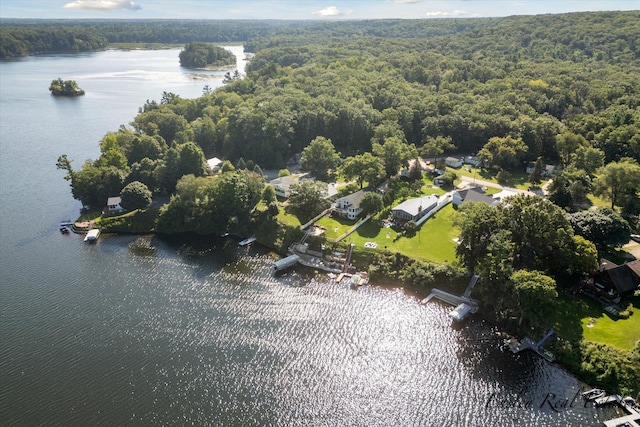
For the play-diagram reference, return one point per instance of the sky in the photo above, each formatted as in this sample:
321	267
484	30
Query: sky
297	9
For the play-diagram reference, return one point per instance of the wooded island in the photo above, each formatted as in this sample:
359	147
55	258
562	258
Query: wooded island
58	87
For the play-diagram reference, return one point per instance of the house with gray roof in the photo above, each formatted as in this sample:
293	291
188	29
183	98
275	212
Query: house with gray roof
472	194
454	162
349	206
414	209
282	185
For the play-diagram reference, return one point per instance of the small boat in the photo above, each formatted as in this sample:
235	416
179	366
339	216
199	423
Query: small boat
247	241
66	226
92	235
594	394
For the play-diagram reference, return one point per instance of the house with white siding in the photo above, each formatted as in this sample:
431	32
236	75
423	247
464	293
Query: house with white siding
349	206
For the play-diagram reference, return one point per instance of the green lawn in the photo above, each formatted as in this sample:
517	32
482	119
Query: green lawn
599	201
519	180
335	227
288	219
433	242
575	313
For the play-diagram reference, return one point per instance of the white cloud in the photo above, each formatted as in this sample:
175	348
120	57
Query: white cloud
407	1
331	11
102	5
441	13
328	11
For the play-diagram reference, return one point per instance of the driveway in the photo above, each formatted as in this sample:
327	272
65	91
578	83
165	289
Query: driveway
633	248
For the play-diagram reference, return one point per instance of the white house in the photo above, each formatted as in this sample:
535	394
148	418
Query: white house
214	164
349	206
453	162
414	209
547	170
113	205
282	185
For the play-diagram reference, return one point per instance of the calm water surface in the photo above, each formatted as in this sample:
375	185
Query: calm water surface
200	333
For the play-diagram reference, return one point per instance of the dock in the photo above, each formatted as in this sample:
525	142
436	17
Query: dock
464	304
247	241
605	400
632	419
527	343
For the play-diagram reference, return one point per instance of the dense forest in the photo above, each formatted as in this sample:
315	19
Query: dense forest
364	98
30	37
540	81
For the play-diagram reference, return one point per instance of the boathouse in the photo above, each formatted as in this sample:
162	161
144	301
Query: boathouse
284	263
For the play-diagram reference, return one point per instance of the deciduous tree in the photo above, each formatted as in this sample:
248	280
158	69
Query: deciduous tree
364	167
319	158
135	195
616	179
394	154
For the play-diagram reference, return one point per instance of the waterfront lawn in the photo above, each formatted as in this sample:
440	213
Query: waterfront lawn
138	221
434	239
580	317
335	226
432	242
286	218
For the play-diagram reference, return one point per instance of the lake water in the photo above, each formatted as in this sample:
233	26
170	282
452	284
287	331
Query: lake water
199	332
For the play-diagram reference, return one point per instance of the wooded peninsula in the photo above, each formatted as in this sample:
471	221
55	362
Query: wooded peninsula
548	103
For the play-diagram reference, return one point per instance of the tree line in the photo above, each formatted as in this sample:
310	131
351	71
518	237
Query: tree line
20	37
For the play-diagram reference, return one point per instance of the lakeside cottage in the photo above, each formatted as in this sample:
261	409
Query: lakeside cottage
214	164
414	209
472	160
113	205
547	170
349	206
283	184
613	281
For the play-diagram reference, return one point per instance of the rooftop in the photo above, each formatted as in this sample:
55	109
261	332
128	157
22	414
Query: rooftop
414	206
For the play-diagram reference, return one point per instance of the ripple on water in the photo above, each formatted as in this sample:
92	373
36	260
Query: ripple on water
194	336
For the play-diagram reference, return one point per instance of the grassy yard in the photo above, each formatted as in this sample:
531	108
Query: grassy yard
599	201
287	219
433	241
519	180
580	317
